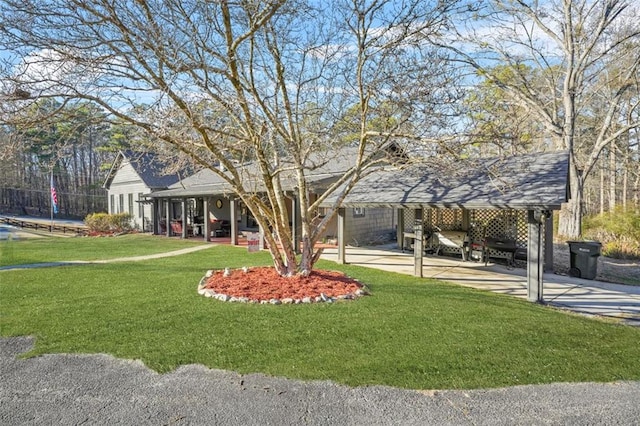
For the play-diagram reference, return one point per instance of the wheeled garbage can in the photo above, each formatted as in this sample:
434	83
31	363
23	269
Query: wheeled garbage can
584	258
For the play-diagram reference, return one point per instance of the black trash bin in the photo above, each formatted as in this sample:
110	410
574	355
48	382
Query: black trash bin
584	258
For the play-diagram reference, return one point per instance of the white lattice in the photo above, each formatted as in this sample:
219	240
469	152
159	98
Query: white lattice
497	223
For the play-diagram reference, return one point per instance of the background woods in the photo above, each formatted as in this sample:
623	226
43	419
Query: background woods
74	143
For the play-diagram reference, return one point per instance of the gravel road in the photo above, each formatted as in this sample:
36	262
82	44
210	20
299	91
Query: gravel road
100	389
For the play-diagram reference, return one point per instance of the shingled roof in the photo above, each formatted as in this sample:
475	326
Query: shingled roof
322	169
531	181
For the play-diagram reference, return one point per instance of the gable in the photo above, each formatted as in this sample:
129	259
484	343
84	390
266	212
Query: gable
132	168
126	175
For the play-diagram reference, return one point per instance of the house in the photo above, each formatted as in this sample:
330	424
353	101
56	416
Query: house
133	174
206	194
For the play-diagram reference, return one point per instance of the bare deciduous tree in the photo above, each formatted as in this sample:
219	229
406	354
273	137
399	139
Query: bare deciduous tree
259	81
576	46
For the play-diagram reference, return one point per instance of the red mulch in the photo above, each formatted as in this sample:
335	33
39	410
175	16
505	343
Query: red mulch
264	283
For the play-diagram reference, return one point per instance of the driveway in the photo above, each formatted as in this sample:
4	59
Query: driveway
589	297
100	389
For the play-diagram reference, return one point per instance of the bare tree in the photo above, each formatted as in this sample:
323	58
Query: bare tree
231	82
576	45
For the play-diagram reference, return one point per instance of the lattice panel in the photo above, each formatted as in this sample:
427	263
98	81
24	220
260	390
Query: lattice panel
449	220
509	224
409	218
443	219
498	223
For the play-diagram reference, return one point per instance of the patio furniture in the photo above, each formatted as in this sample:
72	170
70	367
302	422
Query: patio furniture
176	227
408	239
503	248
453	239
220	228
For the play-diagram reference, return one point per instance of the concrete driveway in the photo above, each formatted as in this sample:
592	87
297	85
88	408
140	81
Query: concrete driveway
589	297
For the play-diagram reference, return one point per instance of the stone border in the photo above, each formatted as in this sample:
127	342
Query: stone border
207	292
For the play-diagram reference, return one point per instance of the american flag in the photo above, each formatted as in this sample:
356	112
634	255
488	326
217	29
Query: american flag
54	197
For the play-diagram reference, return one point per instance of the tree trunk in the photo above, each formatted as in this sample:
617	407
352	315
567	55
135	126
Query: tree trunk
625	183
570	222
612	177
636	194
602	189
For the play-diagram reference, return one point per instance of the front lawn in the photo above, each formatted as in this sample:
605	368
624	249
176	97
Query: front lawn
411	333
53	249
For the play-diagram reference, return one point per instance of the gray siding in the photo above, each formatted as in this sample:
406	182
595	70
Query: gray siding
376	226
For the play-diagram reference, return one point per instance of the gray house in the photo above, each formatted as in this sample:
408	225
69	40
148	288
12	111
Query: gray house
206	195
133	174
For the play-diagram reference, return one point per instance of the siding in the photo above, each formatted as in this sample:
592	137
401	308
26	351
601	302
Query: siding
376	226
126	181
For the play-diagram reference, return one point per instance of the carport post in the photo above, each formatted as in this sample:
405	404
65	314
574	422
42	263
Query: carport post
400	229
548	243
418	250
341	243
535	257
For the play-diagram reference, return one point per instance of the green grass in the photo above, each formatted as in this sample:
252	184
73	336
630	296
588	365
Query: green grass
51	249
411	333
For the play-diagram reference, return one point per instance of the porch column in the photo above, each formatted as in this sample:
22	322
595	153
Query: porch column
206	226
168	217
233	206
296	223
341	235
155	229
466	220
548	243
184	217
400	229
418	249
535	257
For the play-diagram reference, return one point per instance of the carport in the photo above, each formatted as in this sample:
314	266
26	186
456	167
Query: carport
526	188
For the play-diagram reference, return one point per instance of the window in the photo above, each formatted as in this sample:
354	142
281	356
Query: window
112	204
358	212
131	204
121	203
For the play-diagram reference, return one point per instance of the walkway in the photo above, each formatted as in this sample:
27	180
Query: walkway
114	260
579	295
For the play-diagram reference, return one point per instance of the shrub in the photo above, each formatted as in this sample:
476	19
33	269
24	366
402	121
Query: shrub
104	223
618	231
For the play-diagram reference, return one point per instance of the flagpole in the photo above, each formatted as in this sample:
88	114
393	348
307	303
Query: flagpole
51	199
